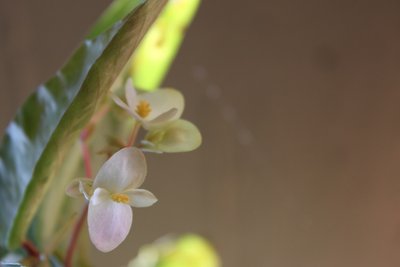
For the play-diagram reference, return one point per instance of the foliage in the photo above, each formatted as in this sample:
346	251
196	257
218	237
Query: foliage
71	115
36	141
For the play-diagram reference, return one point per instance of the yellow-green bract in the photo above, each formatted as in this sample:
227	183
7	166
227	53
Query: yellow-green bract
160	45
188	250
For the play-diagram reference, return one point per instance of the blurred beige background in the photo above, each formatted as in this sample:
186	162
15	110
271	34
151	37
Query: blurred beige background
298	103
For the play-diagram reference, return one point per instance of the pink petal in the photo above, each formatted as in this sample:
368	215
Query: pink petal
109	222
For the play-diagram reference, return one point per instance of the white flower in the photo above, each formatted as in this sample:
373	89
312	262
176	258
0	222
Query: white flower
177	136
152	109
111	196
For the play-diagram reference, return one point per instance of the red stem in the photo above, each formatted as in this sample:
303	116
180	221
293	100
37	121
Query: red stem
86	155
75	236
31	249
82	218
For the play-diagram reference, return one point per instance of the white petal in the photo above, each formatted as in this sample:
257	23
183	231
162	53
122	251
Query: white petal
130	94
100	195
124	106
120	103
79	187
161	120
162	101
140	198
109	222
126	169
177	136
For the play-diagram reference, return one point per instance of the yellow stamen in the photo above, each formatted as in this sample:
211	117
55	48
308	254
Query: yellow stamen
120	198
143	109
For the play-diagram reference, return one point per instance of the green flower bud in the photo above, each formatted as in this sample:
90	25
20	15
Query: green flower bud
193	251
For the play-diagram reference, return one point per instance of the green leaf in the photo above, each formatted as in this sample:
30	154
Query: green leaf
115	12
36	141
56	212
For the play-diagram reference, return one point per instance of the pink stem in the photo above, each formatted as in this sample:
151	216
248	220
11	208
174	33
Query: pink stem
86	155
132	137
75	236
82	218
31	249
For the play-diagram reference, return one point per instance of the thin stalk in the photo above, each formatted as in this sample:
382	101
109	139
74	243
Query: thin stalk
86	158
133	136
75	237
31	249
97	117
78	226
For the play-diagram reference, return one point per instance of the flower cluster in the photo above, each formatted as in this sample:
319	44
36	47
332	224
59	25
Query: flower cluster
115	189
159	113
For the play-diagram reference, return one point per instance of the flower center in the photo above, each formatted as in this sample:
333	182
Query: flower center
143	109
120	198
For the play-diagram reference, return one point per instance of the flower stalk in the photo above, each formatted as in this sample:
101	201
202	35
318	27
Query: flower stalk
75	236
133	136
31	249
78	226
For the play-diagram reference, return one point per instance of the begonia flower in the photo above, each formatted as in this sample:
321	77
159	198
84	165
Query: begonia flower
152	109
112	194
